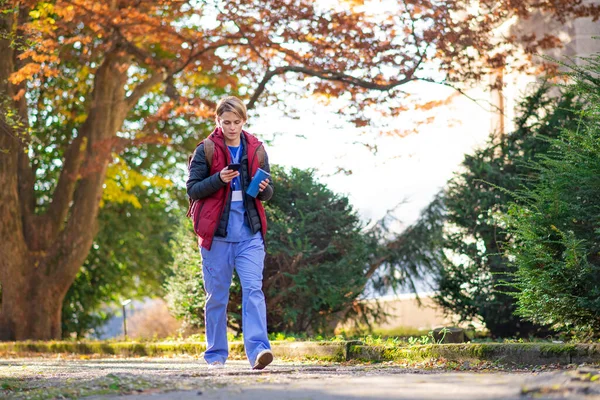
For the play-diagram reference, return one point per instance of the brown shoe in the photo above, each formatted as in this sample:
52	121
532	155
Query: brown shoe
263	359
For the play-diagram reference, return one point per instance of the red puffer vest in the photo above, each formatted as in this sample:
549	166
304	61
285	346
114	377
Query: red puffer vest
206	212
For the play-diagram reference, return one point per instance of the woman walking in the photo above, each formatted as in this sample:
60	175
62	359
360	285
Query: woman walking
231	227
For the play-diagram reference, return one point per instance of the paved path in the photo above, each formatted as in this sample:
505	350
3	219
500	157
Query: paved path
162	379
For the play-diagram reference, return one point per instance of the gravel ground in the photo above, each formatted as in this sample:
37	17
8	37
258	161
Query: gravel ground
188	378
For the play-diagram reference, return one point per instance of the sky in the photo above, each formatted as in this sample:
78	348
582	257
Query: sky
408	170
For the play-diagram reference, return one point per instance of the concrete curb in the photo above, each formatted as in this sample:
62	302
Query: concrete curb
325	351
502	353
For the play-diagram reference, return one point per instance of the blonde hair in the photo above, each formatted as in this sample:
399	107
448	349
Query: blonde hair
234	105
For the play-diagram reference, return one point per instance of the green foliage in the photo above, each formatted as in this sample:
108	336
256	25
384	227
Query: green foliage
128	260
185	289
458	235
555	226
318	254
474	268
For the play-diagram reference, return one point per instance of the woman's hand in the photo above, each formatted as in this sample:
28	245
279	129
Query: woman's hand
263	185
227	174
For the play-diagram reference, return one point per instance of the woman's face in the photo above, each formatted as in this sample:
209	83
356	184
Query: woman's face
231	125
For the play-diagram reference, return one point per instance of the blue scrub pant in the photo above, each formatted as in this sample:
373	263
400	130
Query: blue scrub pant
247	257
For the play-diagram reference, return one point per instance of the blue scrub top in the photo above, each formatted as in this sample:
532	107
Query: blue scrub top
238	229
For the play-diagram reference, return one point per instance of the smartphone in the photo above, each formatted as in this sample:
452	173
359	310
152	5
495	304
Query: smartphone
234	167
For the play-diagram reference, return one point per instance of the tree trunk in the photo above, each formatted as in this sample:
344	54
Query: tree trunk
32	306
12	244
40	255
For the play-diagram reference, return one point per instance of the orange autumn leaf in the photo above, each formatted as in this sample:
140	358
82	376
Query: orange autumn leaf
437	103
26	72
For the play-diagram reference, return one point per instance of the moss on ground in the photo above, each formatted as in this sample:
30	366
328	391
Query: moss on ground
557	349
110	384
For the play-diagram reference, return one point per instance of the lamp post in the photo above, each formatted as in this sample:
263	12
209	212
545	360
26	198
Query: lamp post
123	304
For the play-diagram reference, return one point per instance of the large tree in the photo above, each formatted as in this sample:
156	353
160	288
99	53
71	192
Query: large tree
86	65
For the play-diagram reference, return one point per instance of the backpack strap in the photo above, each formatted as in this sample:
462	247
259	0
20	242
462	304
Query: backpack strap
261	154
209	150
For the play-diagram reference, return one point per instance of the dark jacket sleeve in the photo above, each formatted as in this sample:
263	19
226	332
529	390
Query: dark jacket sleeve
200	184
268	192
